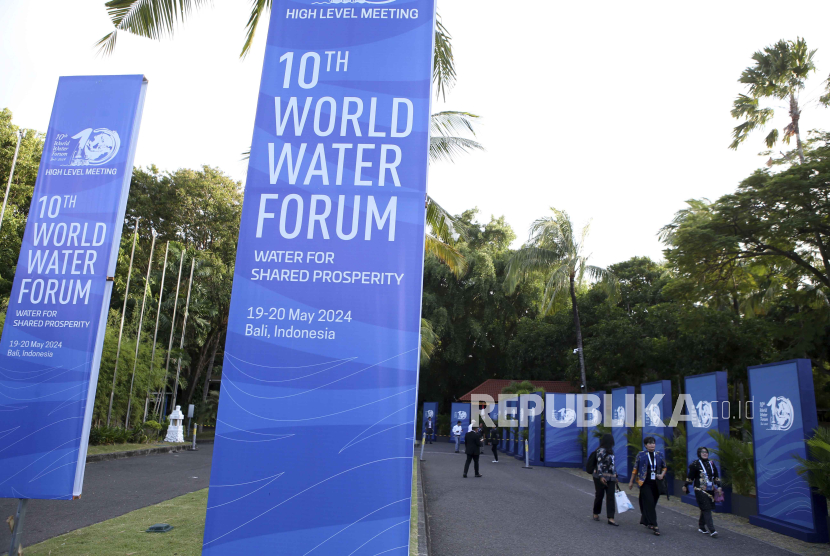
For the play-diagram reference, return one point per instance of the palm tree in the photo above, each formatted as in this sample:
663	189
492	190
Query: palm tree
779	73
554	250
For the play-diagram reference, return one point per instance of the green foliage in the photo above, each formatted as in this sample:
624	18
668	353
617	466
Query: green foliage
103	436
676	448
634	438
816	469
601	430
736	461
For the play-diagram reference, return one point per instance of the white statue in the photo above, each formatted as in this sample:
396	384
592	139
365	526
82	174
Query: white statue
175	432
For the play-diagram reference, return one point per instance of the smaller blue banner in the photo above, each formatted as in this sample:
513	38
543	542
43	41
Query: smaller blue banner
562	447
460	412
785	416
657	410
595	415
622	413
708	394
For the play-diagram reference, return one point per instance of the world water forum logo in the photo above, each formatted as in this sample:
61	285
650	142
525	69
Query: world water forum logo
618	419
653	417
704	415
777	414
95	147
460	415
565	416
430	413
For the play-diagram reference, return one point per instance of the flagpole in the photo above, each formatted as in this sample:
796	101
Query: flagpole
184	325
160	401
138	335
123	313
155	334
11	175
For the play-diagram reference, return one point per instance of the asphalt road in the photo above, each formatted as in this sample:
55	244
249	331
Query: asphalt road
545	512
112	488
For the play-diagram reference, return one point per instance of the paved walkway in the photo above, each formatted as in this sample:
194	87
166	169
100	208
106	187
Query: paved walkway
544	512
112	488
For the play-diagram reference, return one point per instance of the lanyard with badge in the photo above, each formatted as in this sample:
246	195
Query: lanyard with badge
652	464
709	484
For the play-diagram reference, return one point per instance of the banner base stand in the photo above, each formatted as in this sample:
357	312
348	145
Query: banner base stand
784	528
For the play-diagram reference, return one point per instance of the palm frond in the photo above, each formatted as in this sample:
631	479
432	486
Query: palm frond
152	19
447	148
443	226
447	254
443	63
444	142
429	340
258	10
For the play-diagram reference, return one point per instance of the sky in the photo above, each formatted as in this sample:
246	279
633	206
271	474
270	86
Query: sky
616	112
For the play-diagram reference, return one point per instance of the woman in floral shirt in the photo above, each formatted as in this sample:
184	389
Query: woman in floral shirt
605	479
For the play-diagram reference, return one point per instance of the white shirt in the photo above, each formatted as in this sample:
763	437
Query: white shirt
470	428
456	430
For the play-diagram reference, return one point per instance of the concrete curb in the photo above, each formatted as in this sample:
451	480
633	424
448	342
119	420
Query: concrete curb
144	452
423	534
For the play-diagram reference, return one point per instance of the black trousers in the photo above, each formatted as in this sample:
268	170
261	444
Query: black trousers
706	506
429	436
474	458
605	491
648	503
496	451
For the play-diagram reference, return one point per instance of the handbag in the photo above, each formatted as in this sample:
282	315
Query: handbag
623	504
718	496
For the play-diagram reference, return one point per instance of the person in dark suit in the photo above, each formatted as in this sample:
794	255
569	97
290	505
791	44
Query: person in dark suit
472	446
494	442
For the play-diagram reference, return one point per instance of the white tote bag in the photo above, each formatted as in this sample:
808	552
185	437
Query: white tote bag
623	505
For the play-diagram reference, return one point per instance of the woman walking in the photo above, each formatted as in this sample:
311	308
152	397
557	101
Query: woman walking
605	479
649	467
494	443
703	475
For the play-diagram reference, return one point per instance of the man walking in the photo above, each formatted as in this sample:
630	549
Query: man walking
472	445
494	442
429	430
456	433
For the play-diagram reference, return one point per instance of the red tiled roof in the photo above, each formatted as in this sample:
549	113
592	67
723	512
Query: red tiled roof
493	387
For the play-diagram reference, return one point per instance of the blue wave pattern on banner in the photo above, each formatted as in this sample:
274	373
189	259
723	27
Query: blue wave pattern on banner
53	332
778	434
562	442
317	409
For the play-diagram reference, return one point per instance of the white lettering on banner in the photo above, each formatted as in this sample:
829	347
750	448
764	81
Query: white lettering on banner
293	205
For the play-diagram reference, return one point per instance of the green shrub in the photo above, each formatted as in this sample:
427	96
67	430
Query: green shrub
737	463
676	447
817	469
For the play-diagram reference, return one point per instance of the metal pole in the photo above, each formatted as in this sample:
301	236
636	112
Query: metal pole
527	457
160	401
11	175
423	441
155	334
184	326
138	335
17	532
123	314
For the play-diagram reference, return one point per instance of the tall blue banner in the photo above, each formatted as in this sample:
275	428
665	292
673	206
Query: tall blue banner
55	322
784	417
622	417
317	410
657	412
562	447
430	412
594	415
708	408
511	408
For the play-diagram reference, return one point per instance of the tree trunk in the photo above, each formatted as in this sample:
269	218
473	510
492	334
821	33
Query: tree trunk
194	379
578	337
795	115
209	371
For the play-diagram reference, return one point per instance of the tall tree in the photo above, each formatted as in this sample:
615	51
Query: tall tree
555	251
780	72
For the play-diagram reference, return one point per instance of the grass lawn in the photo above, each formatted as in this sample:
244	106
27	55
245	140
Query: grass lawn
109	448
125	536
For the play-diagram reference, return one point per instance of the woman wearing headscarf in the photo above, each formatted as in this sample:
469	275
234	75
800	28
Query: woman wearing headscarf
703	476
605	479
649	467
